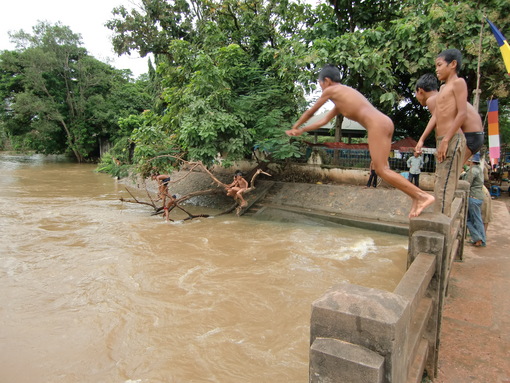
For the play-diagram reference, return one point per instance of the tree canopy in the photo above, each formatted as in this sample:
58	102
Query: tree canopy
229	76
57	98
234	73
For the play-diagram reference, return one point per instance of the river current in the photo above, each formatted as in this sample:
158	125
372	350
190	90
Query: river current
96	290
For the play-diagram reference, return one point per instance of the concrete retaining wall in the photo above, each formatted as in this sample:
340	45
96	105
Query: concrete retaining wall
334	174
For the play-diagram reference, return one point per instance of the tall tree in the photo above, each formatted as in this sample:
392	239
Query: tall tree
57	96
224	89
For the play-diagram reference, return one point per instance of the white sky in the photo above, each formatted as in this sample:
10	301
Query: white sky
86	17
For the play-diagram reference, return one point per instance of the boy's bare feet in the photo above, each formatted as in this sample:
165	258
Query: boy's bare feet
421	204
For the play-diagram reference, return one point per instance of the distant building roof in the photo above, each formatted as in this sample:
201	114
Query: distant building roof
404	145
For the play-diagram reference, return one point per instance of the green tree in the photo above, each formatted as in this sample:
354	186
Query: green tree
58	98
224	90
274	51
383	59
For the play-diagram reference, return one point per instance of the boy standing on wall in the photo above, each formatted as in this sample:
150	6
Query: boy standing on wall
448	116
426	92
353	105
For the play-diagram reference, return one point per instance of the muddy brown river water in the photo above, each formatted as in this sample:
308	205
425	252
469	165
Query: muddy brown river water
95	290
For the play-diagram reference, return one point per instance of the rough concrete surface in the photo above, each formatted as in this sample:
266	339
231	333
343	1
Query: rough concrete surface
475	336
384	204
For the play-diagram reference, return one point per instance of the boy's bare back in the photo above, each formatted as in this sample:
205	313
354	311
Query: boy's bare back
473	122
351	104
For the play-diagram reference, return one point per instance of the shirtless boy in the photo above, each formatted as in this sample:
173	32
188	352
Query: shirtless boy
426	92
163	180
237	188
353	105
449	115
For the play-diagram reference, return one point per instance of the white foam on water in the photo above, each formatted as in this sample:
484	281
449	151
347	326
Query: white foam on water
209	333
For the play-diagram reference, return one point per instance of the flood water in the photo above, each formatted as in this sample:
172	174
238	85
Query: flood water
96	290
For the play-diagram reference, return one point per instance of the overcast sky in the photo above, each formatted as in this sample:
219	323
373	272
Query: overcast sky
86	17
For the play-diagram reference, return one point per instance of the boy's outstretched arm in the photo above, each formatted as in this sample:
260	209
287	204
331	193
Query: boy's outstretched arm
308	114
295	131
460	94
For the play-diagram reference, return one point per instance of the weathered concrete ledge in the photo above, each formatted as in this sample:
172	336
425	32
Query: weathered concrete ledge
269	211
349	202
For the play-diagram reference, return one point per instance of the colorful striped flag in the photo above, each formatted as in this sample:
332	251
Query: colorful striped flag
503	45
494	152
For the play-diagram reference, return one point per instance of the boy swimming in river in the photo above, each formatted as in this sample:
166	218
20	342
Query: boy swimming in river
353	105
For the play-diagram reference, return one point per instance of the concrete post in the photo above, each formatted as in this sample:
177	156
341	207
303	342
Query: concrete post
431	243
373	319
336	361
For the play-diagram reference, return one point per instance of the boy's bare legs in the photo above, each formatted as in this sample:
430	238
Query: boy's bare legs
239	195
379	143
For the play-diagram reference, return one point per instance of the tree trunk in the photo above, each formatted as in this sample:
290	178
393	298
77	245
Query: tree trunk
70	139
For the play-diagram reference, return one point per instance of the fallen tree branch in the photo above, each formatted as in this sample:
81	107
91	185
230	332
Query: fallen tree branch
175	203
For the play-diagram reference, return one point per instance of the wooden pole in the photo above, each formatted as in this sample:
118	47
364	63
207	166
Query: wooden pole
477	91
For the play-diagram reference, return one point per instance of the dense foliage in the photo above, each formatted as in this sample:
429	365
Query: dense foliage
231	75
59	99
234	73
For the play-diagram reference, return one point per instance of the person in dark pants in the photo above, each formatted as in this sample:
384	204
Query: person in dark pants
372	180
474	221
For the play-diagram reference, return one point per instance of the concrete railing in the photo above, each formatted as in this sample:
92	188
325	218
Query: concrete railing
360	334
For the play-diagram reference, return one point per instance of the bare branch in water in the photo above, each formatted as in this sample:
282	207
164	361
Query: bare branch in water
170	203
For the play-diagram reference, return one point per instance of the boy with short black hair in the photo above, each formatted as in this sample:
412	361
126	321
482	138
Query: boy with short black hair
426	92
353	105
449	114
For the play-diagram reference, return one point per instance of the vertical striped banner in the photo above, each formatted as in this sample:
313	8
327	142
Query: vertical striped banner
494	152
